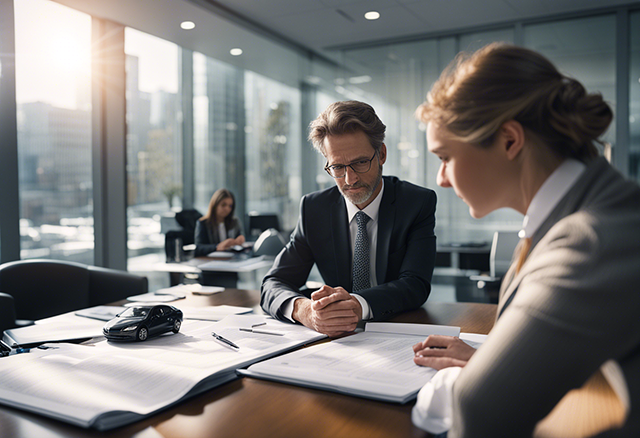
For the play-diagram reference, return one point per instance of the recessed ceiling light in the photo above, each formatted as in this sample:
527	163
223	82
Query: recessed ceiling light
360	79
372	15
236	52
187	25
313	79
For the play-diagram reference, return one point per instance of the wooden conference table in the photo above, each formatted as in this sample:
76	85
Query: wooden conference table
255	408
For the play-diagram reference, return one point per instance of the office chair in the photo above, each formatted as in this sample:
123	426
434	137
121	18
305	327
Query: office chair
502	247
7	313
259	222
270	243
43	288
176	240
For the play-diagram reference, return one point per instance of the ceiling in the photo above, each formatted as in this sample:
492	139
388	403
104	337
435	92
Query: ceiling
324	25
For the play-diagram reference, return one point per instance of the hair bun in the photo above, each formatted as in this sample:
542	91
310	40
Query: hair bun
580	116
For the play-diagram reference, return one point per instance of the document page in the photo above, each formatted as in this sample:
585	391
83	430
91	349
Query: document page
60	328
211	313
71	382
374	364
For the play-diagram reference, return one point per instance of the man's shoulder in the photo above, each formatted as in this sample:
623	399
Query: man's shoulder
403	188
328	195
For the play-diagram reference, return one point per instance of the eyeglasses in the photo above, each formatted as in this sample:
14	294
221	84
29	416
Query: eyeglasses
340	170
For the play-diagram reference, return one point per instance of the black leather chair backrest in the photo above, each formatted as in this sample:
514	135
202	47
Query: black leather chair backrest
109	285
187	220
43	288
259	222
7	312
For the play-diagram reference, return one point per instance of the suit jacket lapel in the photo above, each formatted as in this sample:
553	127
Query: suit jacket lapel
341	243
386	219
569	204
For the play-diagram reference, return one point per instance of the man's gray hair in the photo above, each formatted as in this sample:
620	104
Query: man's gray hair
345	118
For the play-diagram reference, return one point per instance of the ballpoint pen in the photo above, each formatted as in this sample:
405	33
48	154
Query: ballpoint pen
224	341
264	332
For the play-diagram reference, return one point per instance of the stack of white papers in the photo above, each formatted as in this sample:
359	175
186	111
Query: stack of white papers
109	384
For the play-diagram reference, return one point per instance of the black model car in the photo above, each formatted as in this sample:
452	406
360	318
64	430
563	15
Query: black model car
137	323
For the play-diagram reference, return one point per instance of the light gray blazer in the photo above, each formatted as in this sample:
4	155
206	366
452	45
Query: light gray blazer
574	305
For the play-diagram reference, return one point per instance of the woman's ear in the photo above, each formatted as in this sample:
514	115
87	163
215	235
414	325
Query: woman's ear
511	138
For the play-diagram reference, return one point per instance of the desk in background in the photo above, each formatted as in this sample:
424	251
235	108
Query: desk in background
220	276
256	408
458	257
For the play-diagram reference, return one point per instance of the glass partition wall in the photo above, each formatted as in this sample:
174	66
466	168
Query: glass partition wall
403	73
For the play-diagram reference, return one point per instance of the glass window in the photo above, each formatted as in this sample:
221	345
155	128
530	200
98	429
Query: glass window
471	42
634	98
154	147
218	103
53	94
273	148
583	48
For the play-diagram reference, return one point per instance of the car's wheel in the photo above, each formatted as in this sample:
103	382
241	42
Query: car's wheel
176	325
142	334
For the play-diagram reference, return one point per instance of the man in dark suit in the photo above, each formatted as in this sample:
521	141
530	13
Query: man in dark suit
371	237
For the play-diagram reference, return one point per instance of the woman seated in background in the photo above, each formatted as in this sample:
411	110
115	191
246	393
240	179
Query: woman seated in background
512	131
219	229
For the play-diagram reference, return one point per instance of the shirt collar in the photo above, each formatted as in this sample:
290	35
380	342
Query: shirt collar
550	194
370	210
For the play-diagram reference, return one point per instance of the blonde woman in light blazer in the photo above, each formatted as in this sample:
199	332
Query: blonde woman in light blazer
512	131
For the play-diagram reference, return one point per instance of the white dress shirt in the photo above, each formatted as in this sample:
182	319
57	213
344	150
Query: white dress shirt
549	194
222	231
372	210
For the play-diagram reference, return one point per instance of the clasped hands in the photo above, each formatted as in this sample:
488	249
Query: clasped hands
440	352
332	311
228	243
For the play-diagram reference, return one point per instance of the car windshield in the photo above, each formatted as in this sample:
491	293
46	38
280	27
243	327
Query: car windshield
135	312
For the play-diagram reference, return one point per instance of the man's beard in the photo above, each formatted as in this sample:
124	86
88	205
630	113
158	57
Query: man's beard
361	198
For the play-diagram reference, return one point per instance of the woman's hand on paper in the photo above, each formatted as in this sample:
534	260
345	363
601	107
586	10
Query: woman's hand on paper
332	311
440	352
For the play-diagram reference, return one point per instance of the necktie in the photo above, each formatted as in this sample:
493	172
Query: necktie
361	254
525	246
520	254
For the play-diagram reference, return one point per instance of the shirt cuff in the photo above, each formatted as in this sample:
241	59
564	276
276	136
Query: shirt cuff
433	411
366	310
287	308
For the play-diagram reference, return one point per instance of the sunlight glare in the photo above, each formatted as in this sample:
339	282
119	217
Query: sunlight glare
66	55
